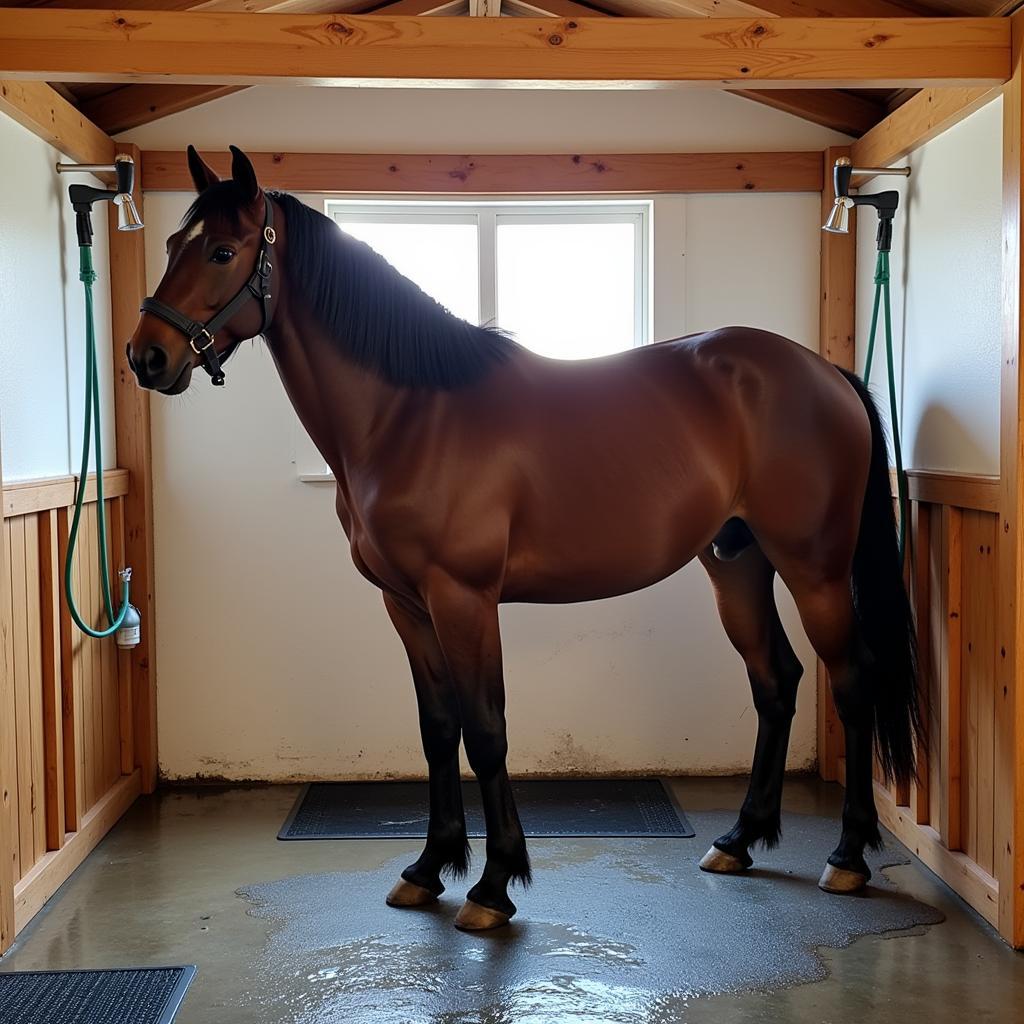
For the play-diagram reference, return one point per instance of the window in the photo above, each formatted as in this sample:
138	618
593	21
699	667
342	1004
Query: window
568	280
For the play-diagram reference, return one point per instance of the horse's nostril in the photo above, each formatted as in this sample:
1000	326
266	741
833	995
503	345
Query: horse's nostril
154	360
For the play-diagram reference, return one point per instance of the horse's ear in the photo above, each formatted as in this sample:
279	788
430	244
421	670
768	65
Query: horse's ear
244	173
202	175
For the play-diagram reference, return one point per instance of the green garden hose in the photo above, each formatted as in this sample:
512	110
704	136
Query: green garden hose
882	293
92	420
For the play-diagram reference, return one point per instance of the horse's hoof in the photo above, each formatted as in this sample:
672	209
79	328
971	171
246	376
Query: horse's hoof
406	894
474	918
841	881
719	862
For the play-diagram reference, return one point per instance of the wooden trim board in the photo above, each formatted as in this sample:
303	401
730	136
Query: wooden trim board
27	496
526	174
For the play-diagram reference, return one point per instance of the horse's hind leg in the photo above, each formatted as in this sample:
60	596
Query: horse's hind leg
743	587
447	848
827	611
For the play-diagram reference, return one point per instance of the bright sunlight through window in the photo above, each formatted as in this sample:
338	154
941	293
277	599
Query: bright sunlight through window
568	281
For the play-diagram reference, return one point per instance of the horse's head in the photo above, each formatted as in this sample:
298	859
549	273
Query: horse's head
216	290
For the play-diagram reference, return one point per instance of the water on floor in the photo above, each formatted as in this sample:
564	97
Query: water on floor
621	931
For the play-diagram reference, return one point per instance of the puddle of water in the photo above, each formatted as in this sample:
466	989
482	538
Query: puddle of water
613	932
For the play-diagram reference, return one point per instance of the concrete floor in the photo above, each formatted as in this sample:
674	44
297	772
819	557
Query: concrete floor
613	932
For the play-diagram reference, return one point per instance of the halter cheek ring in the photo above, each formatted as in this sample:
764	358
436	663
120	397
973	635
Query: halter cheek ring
257	287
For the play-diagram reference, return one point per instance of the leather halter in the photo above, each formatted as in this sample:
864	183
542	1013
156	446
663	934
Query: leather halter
201	335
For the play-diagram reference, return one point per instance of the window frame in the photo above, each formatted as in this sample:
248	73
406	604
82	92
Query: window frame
488	214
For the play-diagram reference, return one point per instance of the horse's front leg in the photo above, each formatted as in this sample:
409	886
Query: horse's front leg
466	622
446	849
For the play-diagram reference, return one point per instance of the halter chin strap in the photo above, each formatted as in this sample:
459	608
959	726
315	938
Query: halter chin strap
201	335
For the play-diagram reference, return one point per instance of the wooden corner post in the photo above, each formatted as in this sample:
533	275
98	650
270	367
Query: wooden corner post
8	765
837	344
1009	697
131	415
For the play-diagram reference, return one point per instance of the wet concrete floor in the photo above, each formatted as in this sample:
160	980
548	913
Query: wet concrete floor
623	931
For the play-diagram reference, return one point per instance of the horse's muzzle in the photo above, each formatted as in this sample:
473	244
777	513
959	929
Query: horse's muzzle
153	371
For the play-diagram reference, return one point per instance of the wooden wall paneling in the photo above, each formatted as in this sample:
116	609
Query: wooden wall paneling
951	707
985	667
126	723
34	672
936	653
971	669
921	554
83	681
8	760
53	724
90	580
108	657
70	689
23	713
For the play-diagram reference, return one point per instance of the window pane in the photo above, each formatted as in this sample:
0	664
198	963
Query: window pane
568	290
441	258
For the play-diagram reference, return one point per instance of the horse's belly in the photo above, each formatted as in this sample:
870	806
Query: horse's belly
586	568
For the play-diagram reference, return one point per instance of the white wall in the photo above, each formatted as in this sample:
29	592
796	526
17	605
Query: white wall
276	660
42	309
946	278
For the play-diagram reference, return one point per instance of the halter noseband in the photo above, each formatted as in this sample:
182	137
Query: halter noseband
201	335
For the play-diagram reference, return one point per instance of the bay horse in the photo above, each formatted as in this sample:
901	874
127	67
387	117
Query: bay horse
471	471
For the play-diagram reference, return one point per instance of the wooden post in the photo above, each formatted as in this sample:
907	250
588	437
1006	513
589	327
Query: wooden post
131	415
7	780
836	341
1009	710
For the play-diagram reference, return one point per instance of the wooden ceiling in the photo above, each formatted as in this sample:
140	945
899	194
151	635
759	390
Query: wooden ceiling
117	108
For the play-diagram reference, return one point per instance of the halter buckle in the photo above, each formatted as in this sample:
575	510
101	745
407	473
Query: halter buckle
200	349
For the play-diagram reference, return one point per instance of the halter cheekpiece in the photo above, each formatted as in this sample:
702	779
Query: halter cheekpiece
201	335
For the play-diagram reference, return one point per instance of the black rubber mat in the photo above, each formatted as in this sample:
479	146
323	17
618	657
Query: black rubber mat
147	995
557	808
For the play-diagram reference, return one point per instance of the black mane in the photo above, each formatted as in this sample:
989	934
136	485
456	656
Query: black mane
382	320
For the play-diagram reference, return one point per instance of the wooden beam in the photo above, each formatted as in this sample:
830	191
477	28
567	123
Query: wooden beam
134	105
1009	699
434	174
840	111
918	121
237	49
44	112
134	453
837	307
8	763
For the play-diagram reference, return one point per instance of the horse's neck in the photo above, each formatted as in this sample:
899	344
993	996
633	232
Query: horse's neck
341	405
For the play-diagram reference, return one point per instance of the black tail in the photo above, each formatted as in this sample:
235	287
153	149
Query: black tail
883	611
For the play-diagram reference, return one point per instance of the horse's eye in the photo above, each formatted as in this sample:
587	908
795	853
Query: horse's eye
222	254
